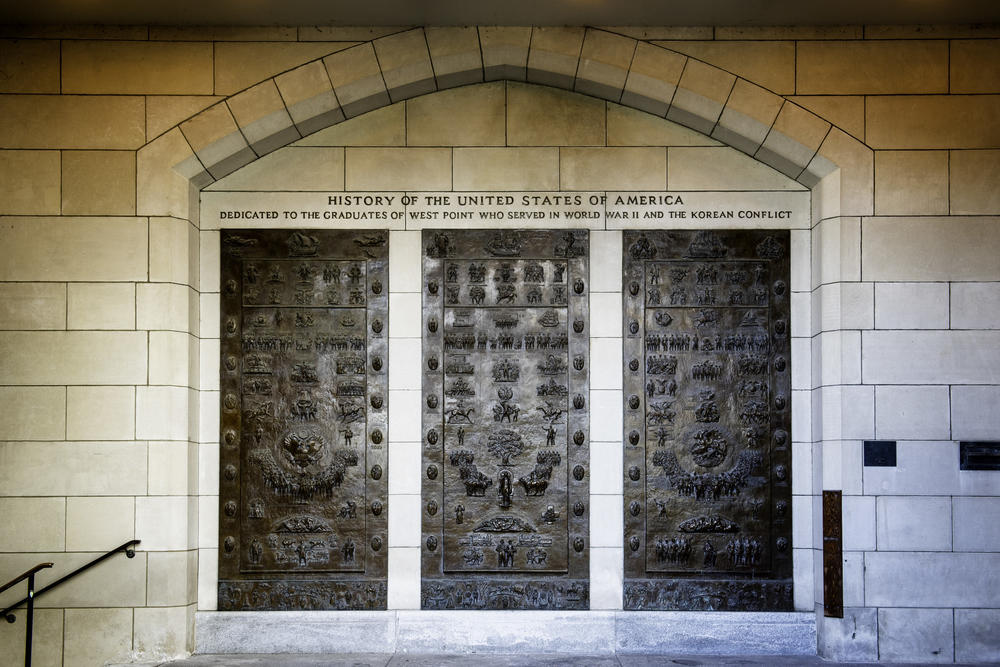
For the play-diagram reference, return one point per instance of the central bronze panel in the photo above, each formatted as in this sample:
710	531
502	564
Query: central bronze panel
302	517
707	420
505	425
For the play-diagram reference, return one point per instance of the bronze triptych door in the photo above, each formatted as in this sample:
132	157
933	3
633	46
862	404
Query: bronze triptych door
707	420
505	420
302	520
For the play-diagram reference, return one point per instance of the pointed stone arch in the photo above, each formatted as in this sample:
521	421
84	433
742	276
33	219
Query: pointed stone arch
279	110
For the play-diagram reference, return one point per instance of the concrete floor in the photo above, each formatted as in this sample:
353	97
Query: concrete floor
483	660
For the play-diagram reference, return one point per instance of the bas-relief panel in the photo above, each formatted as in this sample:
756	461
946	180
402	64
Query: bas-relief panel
505	420
707	420
303	488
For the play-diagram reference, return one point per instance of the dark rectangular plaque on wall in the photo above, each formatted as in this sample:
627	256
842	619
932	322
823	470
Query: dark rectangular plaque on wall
302	516
707	419
505	420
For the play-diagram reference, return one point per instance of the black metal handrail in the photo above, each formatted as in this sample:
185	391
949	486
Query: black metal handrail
29	600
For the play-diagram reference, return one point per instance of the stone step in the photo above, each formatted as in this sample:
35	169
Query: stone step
507	632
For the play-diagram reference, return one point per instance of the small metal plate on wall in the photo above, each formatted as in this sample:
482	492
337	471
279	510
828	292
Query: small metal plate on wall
979	455
880	454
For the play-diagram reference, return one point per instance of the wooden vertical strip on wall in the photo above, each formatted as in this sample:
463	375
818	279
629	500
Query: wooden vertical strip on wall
833	556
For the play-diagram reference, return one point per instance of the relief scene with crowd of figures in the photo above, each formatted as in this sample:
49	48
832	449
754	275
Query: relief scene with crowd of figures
505	420
303	486
707	420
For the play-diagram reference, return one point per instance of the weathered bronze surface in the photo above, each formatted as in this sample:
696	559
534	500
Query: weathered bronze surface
302	515
505	420
833	555
707	420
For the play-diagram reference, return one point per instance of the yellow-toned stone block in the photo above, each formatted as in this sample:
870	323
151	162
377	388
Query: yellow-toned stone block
70	468
630	127
100	306
749	113
505	52
789	32
66	31
871	67
163	632
911	182
72	121
652	79
721	168
248	33
406	64
975	66
845	111
97	636
136	68
933	121
309	97
33	524
33	413
513	169
173	358
701	93
357	79
241	65
604	64
218	142
262	117
100	413
166	522
973	182
293	168
169	176
381	127
398	168
165	413
98	182
793	140
430	120
166	307
45	249
173	253
332	33
662	32
29	66
455	55
99	523
47	641
32	306
172	578
540	116
173	468
554	55
612	168
72	357
29	182
770	64
930	248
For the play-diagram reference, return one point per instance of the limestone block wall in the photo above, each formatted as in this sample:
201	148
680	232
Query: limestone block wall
109	281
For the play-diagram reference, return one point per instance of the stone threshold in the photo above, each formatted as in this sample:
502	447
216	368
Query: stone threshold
507	632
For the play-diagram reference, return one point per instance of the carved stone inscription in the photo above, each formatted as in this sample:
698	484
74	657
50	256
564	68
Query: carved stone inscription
302	516
707	420
505	425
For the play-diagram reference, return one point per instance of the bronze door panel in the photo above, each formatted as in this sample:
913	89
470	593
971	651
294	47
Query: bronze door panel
707	420
302	517
505	405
